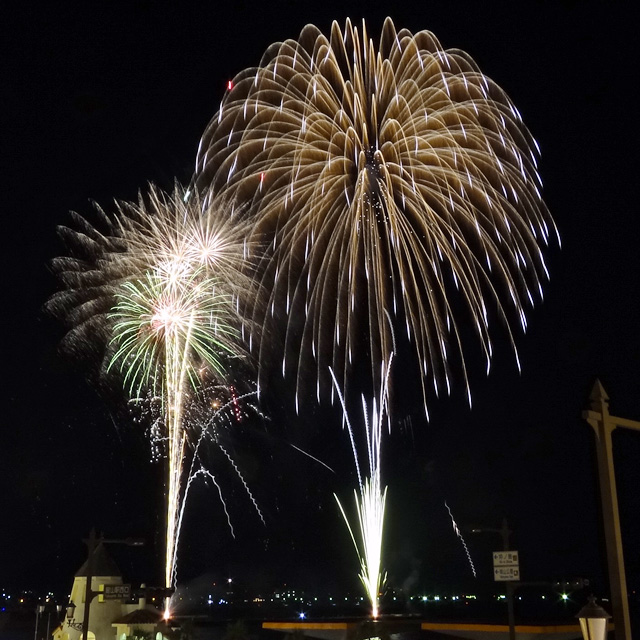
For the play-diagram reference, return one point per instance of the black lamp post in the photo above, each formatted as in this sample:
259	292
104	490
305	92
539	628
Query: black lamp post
593	620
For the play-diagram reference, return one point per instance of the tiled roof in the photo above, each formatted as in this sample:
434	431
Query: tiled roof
140	616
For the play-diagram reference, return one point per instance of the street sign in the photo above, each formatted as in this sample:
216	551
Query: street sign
505	558
115	592
506	574
505	566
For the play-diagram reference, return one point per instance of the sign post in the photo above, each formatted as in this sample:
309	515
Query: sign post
506	568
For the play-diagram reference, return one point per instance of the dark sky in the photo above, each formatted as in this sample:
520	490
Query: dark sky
100	99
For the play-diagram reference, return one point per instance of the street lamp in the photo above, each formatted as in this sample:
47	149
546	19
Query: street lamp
504	532
58	610
593	620
39	612
60	619
71	609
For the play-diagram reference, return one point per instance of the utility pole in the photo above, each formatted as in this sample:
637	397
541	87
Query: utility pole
92	544
603	424
505	534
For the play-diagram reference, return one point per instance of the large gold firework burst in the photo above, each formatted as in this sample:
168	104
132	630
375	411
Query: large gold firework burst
389	183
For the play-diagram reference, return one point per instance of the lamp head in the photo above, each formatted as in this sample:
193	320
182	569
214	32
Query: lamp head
593	621
71	609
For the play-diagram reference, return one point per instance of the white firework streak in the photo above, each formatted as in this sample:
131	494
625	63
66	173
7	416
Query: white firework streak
302	451
196	471
371	502
244	483
464	544
161	290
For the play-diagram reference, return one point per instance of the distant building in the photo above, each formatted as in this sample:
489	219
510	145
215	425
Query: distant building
109	619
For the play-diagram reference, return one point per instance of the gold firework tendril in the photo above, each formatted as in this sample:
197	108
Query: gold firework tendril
161	289
393	179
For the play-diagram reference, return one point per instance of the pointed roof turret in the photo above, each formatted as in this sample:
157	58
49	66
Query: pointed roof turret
598	398
597	392
102	564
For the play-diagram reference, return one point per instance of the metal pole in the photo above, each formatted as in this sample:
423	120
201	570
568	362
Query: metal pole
92	543
35	633
88	593
505	532
511	614
603	424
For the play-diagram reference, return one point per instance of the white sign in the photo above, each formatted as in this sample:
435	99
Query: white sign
505	566
115	592
505	558
506	574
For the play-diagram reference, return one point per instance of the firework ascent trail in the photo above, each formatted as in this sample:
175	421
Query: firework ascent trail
371	501
161	291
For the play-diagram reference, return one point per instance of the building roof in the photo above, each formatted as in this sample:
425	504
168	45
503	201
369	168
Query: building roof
140	616
102	564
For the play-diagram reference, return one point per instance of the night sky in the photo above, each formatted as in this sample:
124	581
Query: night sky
99	99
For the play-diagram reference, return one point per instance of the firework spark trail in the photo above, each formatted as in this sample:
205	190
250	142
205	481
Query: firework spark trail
201	472
394	178
324	464
462	540
161	291
371	501
244	484
208	428
179	316
207	474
